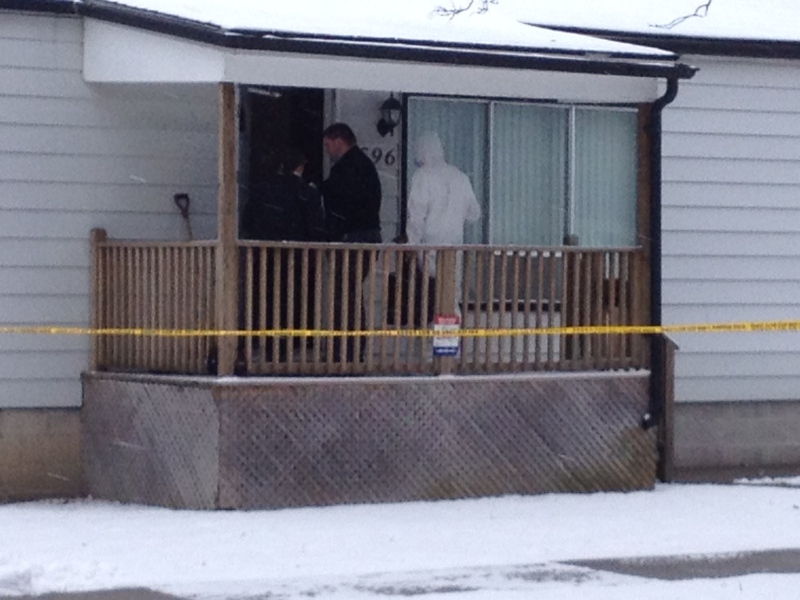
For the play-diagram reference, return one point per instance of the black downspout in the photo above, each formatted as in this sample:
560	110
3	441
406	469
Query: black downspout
656	408
403	158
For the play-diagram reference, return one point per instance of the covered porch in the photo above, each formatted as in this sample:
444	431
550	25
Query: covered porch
320	412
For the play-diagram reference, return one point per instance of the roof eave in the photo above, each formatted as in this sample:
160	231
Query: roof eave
46	6
419	51
682	45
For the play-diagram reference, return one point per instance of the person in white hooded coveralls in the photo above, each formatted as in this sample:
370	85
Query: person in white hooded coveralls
440	202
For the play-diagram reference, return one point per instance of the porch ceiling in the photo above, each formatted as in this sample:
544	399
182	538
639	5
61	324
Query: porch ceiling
116	53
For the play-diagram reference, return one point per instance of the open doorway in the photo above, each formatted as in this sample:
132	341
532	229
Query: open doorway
276	118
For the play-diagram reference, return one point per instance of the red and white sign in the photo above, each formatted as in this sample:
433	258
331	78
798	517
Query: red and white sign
446	345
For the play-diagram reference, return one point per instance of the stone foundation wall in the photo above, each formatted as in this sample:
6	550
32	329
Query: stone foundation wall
738	435
40	453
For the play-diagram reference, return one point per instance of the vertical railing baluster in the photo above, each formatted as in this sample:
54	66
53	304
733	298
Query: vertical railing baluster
344	293
480	310
598	341
318	273
390	255
275	280
585	344
409	345
466	314
129	303
183	297
400	256
211	297
249	302
638	347
516	346
358	309
193	300
148	284
613	315
305	299
502	298
263	302
371	307
538	338
176	307
427	298
333	254
138	302
490	296
552	339
289	295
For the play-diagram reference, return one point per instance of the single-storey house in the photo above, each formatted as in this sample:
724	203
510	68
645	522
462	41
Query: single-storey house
132	133
730	214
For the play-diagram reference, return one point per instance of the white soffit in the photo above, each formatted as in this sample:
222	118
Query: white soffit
120	54
426	78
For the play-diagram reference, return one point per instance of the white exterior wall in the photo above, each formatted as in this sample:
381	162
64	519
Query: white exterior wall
361	110
73	157
731	226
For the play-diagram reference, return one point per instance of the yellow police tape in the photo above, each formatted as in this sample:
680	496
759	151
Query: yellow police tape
416	333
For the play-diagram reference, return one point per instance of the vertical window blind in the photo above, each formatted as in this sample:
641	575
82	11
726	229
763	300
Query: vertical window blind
462	128
541	173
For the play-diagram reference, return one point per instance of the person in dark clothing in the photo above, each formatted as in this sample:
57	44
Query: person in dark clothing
283	207
352	195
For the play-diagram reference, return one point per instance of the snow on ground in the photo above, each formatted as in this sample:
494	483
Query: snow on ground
484	548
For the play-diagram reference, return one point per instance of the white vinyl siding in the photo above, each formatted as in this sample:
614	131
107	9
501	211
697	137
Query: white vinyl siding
74	157
731	226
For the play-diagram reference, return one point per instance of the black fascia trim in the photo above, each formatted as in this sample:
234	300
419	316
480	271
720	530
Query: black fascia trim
47	6
356	48
152	21
753	48
463	57
378	41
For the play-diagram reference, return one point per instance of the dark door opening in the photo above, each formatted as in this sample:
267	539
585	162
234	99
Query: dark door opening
285	117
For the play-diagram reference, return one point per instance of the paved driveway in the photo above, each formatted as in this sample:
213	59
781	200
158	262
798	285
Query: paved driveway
672	568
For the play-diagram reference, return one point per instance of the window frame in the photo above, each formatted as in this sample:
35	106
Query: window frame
569	238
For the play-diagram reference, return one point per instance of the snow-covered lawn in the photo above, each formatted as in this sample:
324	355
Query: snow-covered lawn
472	549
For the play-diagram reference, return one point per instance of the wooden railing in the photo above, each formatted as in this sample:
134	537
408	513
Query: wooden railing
307	287
153	285
390	292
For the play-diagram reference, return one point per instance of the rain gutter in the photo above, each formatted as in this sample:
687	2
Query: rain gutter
657	391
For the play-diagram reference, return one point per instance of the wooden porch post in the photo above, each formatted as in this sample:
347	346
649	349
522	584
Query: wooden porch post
227	258
666	424
446	300
99	282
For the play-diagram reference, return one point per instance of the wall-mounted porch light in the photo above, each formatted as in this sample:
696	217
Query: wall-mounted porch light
391	109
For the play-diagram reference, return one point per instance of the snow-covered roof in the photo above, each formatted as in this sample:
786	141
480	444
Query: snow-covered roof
388	21
405	31
773	20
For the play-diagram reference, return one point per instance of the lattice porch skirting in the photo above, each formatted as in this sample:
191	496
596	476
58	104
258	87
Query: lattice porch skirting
278	442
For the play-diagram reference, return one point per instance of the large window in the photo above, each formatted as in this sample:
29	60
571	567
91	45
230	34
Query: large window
542	173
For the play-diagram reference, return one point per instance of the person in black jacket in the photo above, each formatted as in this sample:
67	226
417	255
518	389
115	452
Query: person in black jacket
283	207
352	195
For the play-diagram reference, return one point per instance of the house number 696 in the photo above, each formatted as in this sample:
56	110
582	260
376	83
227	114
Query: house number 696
378	156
